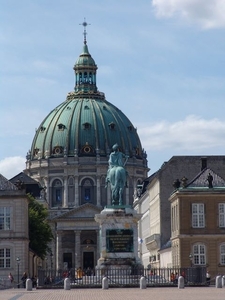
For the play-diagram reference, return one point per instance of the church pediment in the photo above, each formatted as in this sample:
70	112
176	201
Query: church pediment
81	212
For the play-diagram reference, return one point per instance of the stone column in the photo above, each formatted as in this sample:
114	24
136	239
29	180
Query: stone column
126	202
98	245
108	195
65	196
98	192
76	191
46	191
59	250
77	250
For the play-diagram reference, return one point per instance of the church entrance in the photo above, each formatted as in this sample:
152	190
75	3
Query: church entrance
88	260
67	260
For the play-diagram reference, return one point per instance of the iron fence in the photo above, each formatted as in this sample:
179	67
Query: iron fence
193	276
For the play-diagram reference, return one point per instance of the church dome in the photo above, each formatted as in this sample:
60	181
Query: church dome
85	124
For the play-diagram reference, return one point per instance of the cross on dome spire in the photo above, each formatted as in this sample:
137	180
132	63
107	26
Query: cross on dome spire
85	24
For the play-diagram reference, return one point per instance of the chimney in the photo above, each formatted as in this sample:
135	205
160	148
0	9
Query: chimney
204	163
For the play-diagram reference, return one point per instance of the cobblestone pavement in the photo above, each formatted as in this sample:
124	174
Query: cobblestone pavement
163	293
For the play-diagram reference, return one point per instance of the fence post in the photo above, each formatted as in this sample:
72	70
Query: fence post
67	284
223	281
219	282
105	283
142	283
181	282
29	284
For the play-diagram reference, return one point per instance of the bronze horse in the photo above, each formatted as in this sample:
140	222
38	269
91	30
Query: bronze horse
117	179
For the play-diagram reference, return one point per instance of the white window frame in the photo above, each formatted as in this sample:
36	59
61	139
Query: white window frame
5	218
5	258
222	254
198	215
199	254
221	209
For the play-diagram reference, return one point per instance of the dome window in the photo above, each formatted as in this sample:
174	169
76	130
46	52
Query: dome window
130	128
87	149
36	150
137	151
61	127
87	125
90	78
80	78
86	107
57	150
68	107
42	128
85	77
112	125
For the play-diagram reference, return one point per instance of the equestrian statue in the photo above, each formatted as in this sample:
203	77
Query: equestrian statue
117	175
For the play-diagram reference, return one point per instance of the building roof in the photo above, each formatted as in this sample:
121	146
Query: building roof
207	179
6	185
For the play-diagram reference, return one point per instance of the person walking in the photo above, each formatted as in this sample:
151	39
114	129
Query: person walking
208	277
11	278
24	278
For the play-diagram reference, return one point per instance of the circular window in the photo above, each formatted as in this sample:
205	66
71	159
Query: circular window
57	150
87	149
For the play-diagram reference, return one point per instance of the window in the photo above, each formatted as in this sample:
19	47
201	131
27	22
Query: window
4	258
199	254
221	214
57	193
198	215
222	254
87	194
4	218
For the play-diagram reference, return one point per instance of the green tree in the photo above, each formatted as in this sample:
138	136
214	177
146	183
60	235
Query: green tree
40	233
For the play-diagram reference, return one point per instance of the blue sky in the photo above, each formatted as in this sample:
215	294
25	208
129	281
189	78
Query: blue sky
162	62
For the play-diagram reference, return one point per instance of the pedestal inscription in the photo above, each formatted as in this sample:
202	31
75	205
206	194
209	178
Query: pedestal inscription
119	240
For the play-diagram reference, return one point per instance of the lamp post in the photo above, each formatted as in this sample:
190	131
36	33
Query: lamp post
18	271
51	260
190	257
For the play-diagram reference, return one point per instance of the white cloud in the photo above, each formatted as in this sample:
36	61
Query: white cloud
11	166
193	134
207	13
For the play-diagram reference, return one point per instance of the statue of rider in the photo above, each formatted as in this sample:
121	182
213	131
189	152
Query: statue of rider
116	159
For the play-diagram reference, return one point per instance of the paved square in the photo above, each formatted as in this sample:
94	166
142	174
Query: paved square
163	293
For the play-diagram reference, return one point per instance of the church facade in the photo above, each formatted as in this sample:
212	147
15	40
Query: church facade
69	158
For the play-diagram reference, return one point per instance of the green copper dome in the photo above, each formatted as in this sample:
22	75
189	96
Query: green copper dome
85	124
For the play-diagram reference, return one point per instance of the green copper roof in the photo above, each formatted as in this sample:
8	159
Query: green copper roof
85	124
85	58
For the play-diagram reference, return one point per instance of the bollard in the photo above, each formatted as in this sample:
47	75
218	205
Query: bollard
67	284
181	282
142	283
105	283
29	284
219	282
223	281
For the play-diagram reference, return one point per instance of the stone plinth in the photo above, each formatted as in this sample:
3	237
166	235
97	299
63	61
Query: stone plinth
118	238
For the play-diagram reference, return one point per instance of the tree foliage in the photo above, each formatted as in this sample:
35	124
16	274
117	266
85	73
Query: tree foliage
40	233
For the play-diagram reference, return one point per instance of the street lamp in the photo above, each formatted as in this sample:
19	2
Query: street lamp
51	260
18	271
191	257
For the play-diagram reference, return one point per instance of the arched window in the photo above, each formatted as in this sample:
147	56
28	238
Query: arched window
90	78
57	193
85	77
87	191
80	78
199	254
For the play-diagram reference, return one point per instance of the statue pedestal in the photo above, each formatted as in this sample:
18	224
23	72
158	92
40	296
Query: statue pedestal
118	238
